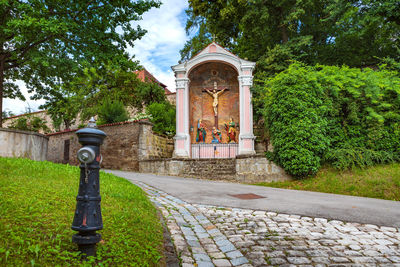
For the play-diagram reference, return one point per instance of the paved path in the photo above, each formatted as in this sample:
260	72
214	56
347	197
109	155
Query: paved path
206	235
312	204
215	235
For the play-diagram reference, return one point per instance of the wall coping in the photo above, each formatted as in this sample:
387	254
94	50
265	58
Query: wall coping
183	159
23	132
218	159
103	125
250	156
25	114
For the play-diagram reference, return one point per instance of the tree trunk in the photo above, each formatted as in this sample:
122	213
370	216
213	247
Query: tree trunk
284	34
2	59
283	27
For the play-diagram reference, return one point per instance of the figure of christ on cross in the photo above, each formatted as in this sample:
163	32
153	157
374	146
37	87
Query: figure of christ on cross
214	94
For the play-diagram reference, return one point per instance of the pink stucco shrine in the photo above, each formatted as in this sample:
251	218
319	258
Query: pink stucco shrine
213	68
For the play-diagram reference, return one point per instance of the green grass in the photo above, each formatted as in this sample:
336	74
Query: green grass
37	203
381	181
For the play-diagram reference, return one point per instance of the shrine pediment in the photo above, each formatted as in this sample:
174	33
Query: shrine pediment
215	52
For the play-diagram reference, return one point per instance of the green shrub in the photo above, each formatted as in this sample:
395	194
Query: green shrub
295	118
340	115
30	123
112	111
163	116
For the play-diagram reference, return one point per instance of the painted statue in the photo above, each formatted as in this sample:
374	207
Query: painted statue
231	131
215	95
216	135
201	132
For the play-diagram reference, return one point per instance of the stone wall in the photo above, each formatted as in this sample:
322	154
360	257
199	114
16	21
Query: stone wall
23	144
152	146
126	143
250	169
218	169
254	169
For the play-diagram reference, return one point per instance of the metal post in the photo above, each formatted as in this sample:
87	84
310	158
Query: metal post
87	219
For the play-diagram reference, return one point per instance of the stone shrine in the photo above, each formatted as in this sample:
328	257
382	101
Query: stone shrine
214	112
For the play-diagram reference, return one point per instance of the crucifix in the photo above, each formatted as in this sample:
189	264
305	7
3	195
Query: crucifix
214	94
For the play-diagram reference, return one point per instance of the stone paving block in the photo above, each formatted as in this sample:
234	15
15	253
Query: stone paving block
227	248
321	260
382	260
187	259
275	254
339	259
206	241
298	260
315	253
222	263
191	238
201	257
394	259
204	264
216	255
211	248
239	261
295	253
363	259
276	261
193	243
202	235
198	250
234	254
222	242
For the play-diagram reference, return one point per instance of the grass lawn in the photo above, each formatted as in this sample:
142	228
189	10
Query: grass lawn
37	204
381	181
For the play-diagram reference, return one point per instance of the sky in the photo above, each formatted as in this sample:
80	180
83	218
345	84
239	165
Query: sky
157	51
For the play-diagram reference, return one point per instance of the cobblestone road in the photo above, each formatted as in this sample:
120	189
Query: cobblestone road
218	236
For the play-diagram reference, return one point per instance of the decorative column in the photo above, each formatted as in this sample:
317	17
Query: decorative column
246	136
182	138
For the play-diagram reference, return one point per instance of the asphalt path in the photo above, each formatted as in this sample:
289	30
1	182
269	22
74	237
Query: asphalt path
294	202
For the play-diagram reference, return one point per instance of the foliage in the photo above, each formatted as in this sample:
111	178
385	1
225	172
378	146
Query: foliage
30	123
294	115
379	181
85	94
146	93
45	43
63	108
355	33
345	116
37	208
140	116
163	117
111	111
7	114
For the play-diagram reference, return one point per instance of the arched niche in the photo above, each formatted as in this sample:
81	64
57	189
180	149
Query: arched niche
205	76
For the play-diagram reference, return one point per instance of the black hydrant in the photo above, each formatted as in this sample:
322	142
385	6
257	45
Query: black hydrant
87	219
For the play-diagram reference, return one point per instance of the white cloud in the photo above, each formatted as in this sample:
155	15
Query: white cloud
157	51
18	106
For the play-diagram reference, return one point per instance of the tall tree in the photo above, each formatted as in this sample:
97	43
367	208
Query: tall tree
86	93
273	32
44	42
